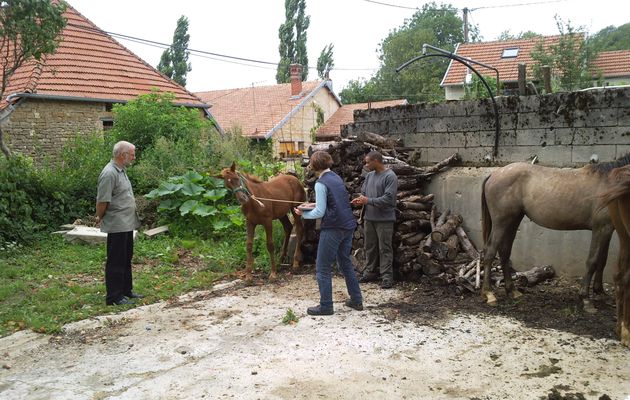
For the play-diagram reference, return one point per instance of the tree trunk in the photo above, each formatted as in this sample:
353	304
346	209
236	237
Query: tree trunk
534	275
377	140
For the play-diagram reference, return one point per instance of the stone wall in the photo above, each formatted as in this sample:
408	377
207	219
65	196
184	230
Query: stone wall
40	127
563	130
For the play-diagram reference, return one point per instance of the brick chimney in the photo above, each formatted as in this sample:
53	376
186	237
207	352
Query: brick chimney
295	70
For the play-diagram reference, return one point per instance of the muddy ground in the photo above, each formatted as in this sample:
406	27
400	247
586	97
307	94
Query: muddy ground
417	341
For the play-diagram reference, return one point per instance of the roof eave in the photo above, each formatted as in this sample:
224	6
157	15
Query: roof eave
90	99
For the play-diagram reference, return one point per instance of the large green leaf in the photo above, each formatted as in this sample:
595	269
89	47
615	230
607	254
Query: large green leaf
169	204
193	176
187	207
215	194
204	210
165	189
191	189
220	225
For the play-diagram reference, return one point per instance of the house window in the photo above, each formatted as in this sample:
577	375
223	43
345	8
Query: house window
109	107
510	53
289	150
108	123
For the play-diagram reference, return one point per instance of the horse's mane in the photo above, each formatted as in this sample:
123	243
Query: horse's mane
619	185
252	178
605	167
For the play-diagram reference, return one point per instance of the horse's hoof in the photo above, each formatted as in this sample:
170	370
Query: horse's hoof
516	294
589	308
625	335
491	300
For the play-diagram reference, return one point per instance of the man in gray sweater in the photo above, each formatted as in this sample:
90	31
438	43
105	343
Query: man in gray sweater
378	195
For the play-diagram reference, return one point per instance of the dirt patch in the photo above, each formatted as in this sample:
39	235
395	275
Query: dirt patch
415	341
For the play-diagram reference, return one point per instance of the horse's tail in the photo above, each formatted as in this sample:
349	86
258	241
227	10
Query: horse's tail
486	220
619	186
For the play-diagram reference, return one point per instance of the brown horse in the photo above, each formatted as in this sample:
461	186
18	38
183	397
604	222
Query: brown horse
554	198
281	194
618	200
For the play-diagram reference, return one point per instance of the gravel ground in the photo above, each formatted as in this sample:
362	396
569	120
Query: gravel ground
412	342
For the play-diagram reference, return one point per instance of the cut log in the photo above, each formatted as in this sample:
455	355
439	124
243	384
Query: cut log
453	245
429	171
407	193
406	205
414	225
419	198
414	239
405	169
466	243
408	182
443	231
534	275
413	214
377	140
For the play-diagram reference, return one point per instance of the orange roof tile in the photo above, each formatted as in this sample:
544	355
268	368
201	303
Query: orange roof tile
490	53
90	64
345	115
612	63
257	110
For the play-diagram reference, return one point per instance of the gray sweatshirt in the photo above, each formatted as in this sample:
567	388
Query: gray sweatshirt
380	190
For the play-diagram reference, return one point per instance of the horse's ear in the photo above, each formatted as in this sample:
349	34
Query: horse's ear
233	167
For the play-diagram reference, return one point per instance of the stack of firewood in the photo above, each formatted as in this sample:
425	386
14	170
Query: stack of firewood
428	243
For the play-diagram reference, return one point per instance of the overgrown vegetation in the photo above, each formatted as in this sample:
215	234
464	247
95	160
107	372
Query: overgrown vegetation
51	282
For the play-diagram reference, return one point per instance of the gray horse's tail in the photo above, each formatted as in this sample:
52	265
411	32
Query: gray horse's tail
486	220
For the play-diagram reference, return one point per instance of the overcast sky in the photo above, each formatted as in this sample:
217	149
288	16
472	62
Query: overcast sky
249	29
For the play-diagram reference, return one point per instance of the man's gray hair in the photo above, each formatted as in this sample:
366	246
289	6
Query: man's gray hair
121	147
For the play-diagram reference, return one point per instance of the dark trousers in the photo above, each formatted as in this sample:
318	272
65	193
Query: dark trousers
118	266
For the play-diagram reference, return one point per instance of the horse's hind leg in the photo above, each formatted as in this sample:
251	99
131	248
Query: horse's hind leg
505	252
595	264
299	233
251	229
272	256
288	227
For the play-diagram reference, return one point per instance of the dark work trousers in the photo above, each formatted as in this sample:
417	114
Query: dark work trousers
118	266
378	249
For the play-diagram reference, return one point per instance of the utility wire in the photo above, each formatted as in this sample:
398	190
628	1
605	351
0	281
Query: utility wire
203	53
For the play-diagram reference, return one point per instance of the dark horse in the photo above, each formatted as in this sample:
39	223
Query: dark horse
281	194
554	198
618	200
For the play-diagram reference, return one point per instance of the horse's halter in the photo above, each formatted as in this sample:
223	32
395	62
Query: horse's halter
242	187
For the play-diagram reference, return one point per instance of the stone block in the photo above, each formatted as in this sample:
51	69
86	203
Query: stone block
559	156
582	154
402	126
534	137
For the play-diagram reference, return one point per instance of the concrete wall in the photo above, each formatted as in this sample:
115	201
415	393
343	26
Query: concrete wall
563	130
40	127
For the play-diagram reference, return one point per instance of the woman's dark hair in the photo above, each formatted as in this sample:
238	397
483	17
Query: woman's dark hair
320	160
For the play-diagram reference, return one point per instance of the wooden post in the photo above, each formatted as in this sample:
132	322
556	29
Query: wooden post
522	78
546	70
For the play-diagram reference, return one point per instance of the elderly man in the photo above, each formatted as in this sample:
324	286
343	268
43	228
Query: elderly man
116	214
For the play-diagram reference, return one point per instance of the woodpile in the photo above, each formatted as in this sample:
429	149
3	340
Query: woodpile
429	244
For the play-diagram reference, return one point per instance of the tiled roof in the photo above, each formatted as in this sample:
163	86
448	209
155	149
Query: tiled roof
490	53
256	110
89	64
345	115
612	63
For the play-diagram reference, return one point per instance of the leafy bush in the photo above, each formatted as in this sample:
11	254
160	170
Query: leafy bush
196	205
147	118
26	206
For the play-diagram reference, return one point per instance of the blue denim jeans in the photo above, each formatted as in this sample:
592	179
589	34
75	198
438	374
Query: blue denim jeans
335	244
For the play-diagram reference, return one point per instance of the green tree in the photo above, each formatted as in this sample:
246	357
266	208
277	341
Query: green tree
611	38
507	35
439	26
150	116
325	62
292	34
569	58
174	61
29	29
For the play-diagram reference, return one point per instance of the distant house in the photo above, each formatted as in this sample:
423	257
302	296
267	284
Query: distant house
345	115
612	66
287	114
73	90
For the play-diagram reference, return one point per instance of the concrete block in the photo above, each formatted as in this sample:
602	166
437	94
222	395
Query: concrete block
582	154
431	125
622	150
534	137
402	126
562	136
558	156
602	135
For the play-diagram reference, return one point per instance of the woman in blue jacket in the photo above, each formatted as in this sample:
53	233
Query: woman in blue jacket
335	238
